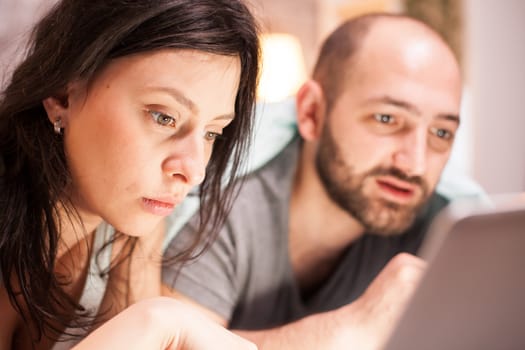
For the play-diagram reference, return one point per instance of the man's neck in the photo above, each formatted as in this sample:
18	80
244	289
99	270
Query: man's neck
319	230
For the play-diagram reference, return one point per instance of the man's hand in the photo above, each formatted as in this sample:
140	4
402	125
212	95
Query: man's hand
367	322
364	324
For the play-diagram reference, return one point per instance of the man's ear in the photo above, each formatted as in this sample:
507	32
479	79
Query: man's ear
310	105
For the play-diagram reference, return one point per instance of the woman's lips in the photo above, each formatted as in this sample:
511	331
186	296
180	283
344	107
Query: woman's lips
158	207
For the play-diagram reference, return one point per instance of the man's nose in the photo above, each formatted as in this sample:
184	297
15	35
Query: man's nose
188	160
411	156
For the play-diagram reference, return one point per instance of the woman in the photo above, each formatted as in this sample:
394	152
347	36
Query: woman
119	108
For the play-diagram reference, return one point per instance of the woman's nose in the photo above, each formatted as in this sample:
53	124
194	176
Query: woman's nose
188	160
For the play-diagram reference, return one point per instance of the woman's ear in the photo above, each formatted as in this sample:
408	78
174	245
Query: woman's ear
57	108
310	105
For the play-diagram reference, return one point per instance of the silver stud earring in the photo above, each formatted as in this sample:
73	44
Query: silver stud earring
57	125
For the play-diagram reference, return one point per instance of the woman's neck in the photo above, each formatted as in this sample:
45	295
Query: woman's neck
76	226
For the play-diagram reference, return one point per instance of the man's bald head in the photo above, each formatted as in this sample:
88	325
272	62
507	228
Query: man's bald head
389	35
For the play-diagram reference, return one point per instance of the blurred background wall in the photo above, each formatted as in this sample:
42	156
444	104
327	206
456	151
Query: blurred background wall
16	17
487	36
495	67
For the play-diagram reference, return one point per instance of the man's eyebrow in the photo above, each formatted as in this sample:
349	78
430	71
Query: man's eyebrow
409	107
451	117
395	102
177	95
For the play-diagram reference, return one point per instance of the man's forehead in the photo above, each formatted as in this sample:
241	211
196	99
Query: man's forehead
405	41
376	77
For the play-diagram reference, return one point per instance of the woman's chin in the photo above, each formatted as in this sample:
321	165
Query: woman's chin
139	228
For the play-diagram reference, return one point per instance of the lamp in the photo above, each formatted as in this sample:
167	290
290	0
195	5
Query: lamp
283	69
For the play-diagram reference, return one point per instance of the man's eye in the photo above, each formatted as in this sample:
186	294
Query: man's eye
162	119
442	133
384	118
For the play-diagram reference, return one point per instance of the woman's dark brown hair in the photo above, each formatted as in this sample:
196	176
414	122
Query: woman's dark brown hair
74	41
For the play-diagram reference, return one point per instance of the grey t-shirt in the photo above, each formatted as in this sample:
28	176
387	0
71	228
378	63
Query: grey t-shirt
246	275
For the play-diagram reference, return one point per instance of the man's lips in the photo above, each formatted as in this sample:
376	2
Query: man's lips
397	188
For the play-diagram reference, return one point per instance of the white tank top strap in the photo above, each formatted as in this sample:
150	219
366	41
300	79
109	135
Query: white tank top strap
97	277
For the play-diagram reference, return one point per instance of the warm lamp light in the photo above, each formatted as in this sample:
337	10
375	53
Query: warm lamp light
283	69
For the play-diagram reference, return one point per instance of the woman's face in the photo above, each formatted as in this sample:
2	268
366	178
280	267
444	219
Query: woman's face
139	136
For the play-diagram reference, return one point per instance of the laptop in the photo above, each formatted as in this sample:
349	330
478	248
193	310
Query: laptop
472	295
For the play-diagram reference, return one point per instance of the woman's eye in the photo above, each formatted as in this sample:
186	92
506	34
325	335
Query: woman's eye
162	119
384	118
212	136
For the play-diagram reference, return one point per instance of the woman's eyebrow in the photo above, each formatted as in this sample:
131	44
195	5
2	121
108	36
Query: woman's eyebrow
177	95
228	116
184	100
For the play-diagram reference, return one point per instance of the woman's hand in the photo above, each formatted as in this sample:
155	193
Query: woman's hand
163	323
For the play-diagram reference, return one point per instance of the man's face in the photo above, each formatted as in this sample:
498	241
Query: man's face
388	137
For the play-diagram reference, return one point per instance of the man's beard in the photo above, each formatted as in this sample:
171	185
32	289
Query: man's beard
345	188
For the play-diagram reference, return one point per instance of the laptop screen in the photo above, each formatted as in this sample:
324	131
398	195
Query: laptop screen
472	295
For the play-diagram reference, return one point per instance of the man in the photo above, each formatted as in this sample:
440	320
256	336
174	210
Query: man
311	256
